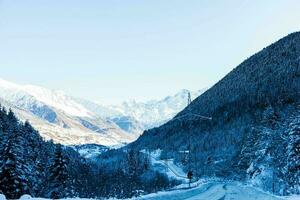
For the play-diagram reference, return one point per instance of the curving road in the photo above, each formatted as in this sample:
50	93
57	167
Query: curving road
213	191
208	190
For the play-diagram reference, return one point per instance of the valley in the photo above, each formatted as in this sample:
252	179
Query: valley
149	100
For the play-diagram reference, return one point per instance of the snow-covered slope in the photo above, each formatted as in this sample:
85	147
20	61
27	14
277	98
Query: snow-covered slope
59	117
134	117
26	94
70	120
69	131
156	112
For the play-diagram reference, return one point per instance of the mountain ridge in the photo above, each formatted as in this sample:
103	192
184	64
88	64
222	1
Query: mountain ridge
71	120
254	132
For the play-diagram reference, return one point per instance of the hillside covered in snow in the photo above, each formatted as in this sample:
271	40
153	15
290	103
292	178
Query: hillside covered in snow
59	117
69	120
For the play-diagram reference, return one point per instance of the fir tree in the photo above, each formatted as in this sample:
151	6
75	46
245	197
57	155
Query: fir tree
58	175
14	170
294	157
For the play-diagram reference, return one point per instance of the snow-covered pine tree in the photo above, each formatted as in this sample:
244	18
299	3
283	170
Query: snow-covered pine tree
58	178
293	160
248	149
3	133
2	143
33	153
14	170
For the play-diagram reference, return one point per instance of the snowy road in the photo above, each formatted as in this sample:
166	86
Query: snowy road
206	191
214	191
166	166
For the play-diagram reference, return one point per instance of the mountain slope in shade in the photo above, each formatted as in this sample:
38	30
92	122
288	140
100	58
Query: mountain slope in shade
254	134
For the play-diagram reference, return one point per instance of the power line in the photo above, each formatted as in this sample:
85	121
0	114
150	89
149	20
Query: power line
190	114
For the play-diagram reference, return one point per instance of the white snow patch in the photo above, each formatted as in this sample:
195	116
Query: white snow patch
166	166
2	197
25	197
56	99
215	191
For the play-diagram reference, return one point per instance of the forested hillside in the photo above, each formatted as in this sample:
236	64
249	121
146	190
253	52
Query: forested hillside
30	165
254	132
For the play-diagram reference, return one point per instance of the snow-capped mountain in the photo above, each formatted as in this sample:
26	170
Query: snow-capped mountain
70	120
156	112
59	117
24	95
132	116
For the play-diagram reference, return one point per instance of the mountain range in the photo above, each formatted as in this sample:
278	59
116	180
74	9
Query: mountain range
73	121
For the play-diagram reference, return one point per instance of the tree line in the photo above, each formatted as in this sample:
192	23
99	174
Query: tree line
31	165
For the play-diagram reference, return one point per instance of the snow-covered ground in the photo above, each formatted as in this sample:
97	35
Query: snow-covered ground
203	189
166	166
215	191
210	190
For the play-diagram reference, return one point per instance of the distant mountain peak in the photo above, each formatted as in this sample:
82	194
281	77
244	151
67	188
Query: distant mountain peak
76	119
56	99
156	112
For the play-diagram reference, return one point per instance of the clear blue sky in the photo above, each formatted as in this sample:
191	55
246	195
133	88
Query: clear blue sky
110	51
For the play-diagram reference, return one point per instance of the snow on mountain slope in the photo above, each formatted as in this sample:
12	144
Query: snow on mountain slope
135	116
98	109
74	134
74	120
156	112
56	99
60	117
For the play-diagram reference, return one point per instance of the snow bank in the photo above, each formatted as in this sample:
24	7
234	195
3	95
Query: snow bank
25	197
2	197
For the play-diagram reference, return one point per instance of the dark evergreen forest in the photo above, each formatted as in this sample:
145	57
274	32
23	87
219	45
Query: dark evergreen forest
30	165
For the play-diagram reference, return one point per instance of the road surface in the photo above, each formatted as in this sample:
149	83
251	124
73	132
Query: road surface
215	191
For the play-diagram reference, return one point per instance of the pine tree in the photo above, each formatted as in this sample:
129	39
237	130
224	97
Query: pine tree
247	155
133	165
3	132
2	144
33	153
14	170
293	159
58	175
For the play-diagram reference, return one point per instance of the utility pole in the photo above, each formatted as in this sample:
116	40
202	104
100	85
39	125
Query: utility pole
190	172
189	114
